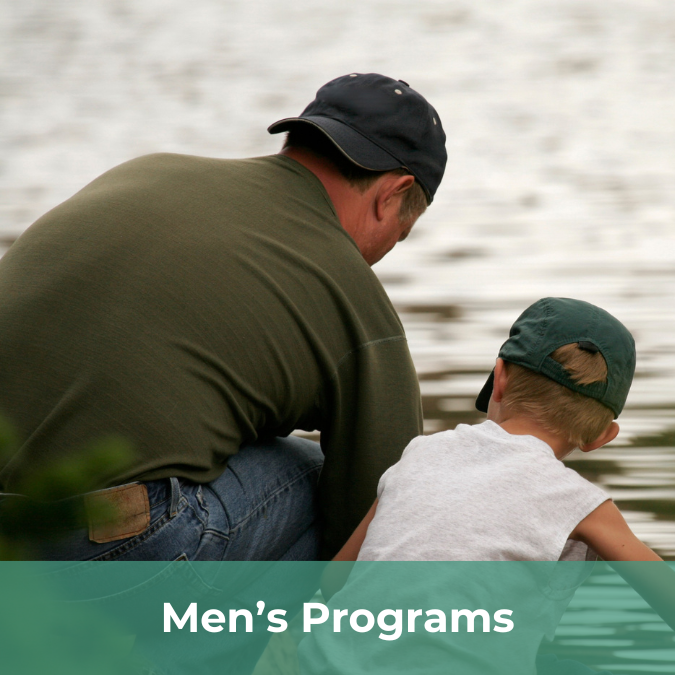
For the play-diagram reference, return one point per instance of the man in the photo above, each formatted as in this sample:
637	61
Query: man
206	308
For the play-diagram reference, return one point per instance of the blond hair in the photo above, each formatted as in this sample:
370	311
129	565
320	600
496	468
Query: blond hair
578	418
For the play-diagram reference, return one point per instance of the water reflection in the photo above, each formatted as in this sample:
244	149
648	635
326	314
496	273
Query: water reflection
608	626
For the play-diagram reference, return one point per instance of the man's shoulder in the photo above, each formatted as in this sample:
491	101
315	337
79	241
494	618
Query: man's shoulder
213	180
272	163
173	160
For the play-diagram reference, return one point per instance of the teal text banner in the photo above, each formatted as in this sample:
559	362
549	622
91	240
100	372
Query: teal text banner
292	618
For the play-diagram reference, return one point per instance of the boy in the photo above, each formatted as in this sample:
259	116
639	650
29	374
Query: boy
496	491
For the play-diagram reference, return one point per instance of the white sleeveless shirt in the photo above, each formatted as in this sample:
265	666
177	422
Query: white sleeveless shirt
479	493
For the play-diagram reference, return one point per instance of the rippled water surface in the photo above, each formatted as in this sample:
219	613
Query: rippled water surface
560	117
608	626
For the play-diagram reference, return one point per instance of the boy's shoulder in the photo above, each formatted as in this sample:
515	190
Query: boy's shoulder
526	457
464	443
484	432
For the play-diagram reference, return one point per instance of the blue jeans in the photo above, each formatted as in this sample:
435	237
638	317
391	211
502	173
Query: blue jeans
262	507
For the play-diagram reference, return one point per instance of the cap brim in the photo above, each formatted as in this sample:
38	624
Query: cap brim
355	146
483	399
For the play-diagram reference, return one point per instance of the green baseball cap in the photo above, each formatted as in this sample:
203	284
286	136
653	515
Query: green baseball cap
553	322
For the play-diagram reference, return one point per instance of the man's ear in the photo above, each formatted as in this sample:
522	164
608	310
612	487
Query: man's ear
391	187
608	435
500	381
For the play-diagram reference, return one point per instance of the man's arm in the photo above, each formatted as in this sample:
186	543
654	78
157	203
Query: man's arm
606	531
373	411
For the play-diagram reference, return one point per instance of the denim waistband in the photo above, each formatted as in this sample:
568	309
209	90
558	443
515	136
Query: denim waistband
159	491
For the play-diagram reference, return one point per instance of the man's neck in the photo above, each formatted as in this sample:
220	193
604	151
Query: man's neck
347	200
523	426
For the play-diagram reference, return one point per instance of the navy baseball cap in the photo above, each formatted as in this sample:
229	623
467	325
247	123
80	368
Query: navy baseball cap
380	124
551	323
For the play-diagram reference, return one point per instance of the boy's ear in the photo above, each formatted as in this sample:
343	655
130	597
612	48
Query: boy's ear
609	435
500	381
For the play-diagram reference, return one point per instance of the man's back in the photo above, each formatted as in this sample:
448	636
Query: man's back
191	305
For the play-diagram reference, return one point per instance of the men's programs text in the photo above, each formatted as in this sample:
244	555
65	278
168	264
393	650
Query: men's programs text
390	622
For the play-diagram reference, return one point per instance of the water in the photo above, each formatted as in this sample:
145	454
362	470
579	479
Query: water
609	627
560	117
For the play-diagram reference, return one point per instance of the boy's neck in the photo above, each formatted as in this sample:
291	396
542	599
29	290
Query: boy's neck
523	426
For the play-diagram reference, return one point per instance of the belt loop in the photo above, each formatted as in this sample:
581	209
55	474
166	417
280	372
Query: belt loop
175	496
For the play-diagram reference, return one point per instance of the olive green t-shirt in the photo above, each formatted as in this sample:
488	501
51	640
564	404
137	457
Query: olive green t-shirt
193	305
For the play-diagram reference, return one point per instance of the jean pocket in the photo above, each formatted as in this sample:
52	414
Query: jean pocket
165	539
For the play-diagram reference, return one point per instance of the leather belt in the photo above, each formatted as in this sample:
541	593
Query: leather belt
117	512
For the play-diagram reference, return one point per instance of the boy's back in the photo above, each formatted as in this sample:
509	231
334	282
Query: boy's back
479	493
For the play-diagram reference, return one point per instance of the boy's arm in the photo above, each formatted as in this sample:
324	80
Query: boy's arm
606	531
350	551
336	573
